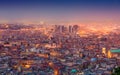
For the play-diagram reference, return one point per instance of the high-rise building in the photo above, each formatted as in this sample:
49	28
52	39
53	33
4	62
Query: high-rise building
75	28
70	29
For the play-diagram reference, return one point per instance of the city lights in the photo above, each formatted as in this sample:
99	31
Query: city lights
59	37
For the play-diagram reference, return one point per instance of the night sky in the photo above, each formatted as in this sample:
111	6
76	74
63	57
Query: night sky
59	11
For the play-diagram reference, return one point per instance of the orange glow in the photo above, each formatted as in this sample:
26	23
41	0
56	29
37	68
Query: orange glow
6	26
51	64
109	54
43	55
37	45
101	29
15	66
104	51
27	66
53	53
56	72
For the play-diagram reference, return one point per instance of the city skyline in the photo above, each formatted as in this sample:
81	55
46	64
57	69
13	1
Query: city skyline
59	37
60	11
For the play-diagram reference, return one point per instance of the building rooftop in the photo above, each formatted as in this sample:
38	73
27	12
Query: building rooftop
115	50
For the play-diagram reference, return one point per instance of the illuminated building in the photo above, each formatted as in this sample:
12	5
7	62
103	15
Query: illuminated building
56	72
115	53
109	54
104	51
27	66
